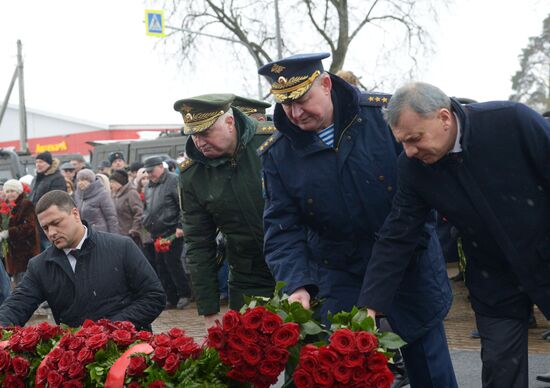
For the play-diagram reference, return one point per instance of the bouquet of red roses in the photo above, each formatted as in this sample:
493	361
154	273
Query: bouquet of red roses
162	244
255	344
5	214
22	350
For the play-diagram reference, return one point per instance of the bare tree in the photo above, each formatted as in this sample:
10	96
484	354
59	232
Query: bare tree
532	82
306	25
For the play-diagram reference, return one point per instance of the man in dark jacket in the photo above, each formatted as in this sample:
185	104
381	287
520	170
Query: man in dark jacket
221	190
84	274
162	218
48	178
329	177
485	168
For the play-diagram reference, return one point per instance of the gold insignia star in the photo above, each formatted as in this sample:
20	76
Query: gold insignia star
384	100
371	98
377	99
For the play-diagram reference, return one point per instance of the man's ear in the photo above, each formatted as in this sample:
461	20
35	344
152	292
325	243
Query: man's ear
76	214
326	83
446	116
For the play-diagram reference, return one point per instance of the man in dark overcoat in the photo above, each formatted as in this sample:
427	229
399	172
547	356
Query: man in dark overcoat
485	168
329	178
84	274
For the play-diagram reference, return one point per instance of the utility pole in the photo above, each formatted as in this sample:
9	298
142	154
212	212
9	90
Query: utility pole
278	31
22	110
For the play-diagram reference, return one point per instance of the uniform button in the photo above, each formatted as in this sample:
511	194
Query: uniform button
310	201
390	188
348	137
381	178
359	119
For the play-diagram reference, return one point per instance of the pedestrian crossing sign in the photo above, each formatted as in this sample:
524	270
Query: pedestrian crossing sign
154	23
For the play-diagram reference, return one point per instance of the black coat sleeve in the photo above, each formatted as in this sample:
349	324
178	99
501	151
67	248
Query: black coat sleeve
148	295
18	308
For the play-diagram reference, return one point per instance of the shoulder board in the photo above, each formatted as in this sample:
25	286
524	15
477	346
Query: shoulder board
186	164
374	99
268	143
265	128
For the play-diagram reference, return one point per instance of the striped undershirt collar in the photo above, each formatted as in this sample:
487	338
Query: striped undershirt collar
327	135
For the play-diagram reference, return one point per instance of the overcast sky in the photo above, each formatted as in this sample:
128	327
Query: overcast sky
92	60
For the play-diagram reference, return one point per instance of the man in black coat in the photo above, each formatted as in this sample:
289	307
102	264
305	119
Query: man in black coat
486	168
85	274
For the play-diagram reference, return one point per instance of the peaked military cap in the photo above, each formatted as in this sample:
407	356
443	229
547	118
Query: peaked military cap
292	77
200	112
115	155
249	105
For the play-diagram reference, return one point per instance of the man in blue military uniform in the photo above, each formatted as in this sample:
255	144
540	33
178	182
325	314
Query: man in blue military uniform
329	178
485	168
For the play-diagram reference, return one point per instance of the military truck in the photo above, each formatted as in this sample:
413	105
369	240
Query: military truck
138	150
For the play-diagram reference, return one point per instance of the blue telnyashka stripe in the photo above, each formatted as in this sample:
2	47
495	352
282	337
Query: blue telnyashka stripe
327	135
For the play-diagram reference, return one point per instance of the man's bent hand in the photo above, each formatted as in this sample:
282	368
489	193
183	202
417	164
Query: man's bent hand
372	314
302	296
210	320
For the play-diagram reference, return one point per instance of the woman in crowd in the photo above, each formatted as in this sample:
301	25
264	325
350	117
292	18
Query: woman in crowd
94	203
128	205
22	233
141	181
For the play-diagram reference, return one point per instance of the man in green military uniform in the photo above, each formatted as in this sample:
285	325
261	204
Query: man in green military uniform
251	107
220	189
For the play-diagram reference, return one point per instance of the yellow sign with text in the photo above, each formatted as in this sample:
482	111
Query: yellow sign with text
55	147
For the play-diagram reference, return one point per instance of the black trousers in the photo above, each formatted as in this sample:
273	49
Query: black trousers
171	274
504	351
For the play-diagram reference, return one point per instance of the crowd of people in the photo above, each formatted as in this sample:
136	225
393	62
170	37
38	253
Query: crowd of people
339	196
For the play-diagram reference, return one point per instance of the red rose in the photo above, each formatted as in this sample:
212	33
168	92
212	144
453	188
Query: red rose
343	341
12	381
161	340
55	354
5	360
122	337
160	354
29	340
342	373
97	341
235	342
323	377
234	356
47	331
171	364
66	360
366	342
125	325
309	361
287	335
248	371
157	384
188	349
76	371
13	342
134	384
235	374
176	332
327	357
355	359
76	343
276	354
303	379
88	323
65	341
85	356
253	318
248	336
359	375
20	366
54	379
137	366
271	322
382	379
230	320
144	336
216	338
42	374
377	362
252	354
271	369
72	384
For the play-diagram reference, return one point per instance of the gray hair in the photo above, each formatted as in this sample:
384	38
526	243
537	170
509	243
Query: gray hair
420	97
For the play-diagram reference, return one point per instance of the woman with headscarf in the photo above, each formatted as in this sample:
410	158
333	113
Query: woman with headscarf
128	205
94	203
22	233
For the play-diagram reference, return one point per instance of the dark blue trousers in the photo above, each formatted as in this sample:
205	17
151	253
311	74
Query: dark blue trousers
428	361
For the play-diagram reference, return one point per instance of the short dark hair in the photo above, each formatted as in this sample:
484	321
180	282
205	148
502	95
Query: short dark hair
59	198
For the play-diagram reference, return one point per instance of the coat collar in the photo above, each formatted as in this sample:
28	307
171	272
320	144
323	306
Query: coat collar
462	115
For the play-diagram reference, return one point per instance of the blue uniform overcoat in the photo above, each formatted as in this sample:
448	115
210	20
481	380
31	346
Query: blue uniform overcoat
497	193
325	205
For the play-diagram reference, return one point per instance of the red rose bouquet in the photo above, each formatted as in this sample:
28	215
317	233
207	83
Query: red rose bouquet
5	214
163	244
254	344
22	350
